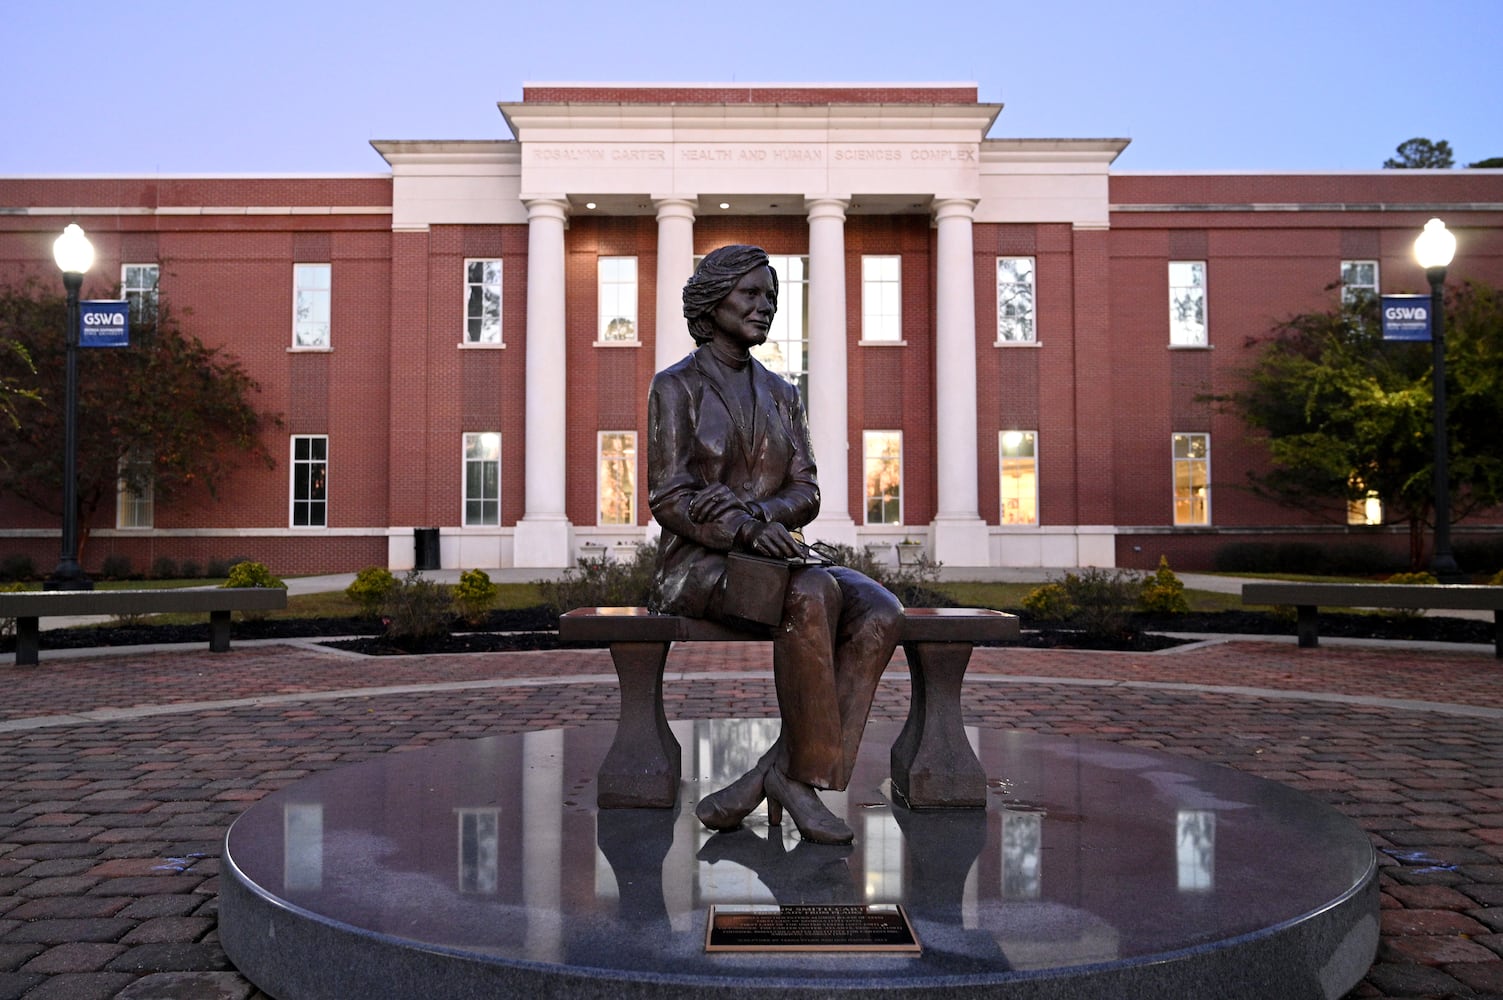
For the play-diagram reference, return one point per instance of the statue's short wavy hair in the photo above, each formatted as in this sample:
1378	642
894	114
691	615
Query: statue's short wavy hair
715	278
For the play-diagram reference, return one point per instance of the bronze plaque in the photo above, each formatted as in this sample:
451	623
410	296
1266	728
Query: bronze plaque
878	927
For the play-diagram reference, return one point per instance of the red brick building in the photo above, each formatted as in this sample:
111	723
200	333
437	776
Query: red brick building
1004	345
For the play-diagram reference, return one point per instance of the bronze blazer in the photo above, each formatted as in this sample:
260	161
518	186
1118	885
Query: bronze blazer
693	442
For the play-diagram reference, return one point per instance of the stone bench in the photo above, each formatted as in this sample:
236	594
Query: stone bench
933	764
1307	597
27	607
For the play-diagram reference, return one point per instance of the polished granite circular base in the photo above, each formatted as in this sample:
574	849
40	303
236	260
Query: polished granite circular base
483	868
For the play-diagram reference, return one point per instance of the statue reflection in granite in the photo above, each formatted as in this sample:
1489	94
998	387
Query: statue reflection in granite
731	470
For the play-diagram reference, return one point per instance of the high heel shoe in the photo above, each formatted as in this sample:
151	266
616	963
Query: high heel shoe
727	808
812	817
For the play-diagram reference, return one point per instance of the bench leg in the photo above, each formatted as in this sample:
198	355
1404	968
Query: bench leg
219	631
28	641
643	766
1304	626
933	764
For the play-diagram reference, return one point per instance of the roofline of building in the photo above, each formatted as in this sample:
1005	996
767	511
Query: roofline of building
153	176
733	84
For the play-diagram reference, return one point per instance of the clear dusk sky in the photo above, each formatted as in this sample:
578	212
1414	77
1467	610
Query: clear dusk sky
152	86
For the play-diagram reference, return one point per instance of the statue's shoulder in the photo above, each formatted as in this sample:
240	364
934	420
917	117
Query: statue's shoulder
678	376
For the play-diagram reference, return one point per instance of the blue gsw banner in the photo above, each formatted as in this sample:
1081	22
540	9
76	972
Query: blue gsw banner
104	323
1406	317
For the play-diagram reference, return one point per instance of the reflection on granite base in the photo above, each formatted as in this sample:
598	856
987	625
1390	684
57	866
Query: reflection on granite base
483	868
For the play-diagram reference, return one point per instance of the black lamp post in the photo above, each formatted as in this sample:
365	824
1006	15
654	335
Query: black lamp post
1434	250
74	255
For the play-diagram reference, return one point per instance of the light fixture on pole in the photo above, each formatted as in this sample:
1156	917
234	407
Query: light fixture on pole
1433	250
74	255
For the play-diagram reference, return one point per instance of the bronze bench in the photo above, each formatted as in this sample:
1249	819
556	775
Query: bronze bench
26	607
933	765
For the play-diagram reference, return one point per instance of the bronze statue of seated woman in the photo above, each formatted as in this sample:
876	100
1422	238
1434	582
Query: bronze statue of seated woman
730	469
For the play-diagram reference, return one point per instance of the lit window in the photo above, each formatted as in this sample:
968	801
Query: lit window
482	302
617	487
1359	281
134	498
618	300
1187	303
881	299
311	285
310	481
1192	479
786	351
138	285
482	479
1015	323
1365	506
882	468
1019	475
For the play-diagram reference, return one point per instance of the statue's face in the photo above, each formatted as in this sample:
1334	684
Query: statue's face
744	316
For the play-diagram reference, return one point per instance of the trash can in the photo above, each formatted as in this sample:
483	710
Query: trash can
425	543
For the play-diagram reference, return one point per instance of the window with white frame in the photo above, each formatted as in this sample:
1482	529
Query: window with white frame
882	474
882	299
134	498
138	286
1192	479
482	478
1359	281
1015	294
786	351
616	484
618	300
310	481
311	288
1018	474
1187	303
482	301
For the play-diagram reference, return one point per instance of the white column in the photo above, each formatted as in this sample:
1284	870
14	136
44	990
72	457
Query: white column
828	408
960	536
542	536
675	266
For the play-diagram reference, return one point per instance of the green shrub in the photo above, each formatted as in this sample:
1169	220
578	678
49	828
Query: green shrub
190	570
370	589
1049	603
1496	580
913	583
164	568
1422	579
416	610
598	583
8	625
17	567
1102	599
1163	592
474	595
116	567
252	574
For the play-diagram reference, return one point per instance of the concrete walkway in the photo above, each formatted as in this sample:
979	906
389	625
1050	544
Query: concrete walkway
120	773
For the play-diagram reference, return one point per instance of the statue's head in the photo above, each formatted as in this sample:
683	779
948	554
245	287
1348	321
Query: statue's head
714	279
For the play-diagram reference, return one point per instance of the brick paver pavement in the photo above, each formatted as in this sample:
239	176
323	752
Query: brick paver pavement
119	773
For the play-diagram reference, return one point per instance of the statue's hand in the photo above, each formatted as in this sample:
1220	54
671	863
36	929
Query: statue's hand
772	539
713	502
